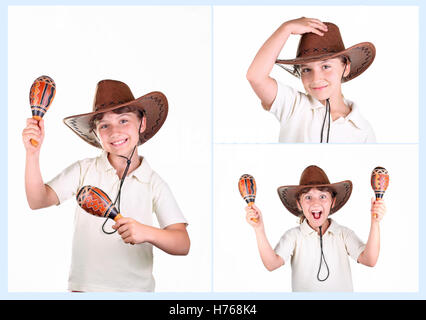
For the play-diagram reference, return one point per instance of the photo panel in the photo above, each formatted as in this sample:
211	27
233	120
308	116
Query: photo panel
237	263
385	91
148	48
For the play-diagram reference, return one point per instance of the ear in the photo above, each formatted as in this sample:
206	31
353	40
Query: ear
143	125
298	205
97	137
348	68
333	203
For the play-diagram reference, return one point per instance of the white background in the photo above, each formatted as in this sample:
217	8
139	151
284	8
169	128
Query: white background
237	264
387	92
150	49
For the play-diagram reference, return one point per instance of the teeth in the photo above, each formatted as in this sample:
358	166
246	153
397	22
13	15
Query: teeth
118	142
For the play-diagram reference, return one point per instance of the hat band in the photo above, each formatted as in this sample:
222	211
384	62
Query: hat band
105	105
308	52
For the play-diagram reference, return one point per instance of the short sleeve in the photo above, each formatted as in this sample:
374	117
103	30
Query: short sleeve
285	102
285	247
164	204
66	183
354	245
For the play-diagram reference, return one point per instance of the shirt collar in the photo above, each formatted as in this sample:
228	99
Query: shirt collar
315	104
307	230
354	115
142	173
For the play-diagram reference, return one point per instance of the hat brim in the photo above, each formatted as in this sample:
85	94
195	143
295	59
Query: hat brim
288	195
361	56
155	108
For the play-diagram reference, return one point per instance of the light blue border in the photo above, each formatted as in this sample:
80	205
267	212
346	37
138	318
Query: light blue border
212	148
422	131
4	294
3	146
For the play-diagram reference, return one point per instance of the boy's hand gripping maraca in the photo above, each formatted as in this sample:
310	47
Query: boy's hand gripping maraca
33	132
96	202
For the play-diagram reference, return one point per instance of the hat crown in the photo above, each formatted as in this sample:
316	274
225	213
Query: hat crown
311	44
313	175
110	93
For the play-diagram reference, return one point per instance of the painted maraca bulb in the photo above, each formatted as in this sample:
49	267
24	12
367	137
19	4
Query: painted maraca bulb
42	93
379	182
96	202
247	188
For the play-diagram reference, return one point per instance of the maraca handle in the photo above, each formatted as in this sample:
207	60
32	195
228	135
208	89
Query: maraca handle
117	217
34	143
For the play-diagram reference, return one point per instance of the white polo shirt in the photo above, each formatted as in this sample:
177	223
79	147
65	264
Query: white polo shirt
102	262
301	246
301	117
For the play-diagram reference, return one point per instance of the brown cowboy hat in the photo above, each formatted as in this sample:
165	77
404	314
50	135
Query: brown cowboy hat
314	177
313	47
111	95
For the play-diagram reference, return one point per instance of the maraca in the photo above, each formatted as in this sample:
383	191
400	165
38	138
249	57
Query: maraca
379	182
94	201
247	187
42	93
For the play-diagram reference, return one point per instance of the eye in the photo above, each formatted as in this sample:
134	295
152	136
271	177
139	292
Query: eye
326	66
122	121
103	126
308	197
323	196
305	70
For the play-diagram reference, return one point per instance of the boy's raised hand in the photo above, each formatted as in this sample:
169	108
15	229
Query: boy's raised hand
254	216
34	130
378	209
305	25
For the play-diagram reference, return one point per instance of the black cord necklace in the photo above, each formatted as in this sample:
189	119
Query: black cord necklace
321	259
118	197
327	111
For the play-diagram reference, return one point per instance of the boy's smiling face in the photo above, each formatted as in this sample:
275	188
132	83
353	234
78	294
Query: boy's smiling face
316	205
322	79
119	132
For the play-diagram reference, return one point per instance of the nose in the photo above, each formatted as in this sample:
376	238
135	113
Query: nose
316	201
316	75
114	129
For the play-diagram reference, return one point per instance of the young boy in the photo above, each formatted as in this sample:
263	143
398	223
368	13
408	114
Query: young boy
119	123
318	249
322	63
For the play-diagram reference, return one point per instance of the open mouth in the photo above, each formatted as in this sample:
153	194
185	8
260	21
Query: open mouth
316	214
119	143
